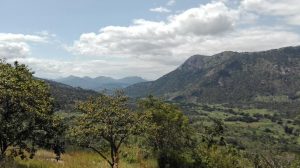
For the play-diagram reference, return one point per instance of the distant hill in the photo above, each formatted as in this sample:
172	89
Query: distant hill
100	83
66	96
231	77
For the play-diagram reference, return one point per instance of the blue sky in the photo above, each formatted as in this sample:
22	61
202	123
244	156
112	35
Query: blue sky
68	19
146	38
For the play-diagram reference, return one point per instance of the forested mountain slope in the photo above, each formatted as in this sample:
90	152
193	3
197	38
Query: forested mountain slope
65	96
231	77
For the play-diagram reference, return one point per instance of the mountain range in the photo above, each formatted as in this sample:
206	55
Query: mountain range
100	83
230	77
267	79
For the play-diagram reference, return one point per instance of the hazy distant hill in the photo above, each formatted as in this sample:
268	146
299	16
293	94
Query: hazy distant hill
65	96
230	77
100	83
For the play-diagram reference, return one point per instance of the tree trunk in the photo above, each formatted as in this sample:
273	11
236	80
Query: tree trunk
2	155
116	160
3	150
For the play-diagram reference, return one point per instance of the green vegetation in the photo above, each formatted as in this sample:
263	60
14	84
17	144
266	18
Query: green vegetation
107	122
115	131
82	159
276	99
26	113
65	97
168	133
268	79
251	129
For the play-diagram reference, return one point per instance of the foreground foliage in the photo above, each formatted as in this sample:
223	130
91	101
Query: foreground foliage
26	112
168	132
106	123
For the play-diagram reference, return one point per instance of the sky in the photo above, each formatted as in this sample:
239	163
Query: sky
146	38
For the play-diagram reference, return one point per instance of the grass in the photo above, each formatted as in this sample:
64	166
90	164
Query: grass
277	99
80	159
258	111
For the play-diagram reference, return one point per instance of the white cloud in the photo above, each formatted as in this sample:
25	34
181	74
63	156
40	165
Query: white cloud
207	29
289	10
160	10
210	19
153	48
49	68
294	20
13	50
159	41
171	2
9	37
46	34
250	39
17	45
168	57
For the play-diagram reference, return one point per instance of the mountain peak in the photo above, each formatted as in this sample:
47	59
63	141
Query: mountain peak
195	62
229	77
226	54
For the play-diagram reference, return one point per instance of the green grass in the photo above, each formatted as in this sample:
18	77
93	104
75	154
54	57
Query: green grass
249	134
277	99
258	111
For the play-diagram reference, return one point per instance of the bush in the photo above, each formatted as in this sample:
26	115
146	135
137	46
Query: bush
246	119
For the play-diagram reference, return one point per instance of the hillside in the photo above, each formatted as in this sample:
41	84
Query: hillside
231	77
100	83
65	96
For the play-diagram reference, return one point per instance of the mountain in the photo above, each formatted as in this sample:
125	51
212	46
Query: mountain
100	83
231	77
131	80
66	96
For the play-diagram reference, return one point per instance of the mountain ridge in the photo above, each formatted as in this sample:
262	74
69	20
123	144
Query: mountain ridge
228	77
100	83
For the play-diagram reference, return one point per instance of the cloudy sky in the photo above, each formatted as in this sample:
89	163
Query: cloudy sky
146	38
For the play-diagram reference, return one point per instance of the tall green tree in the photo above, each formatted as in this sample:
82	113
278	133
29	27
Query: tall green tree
168	132
26	113
105	124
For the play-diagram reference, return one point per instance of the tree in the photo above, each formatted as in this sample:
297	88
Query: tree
168	132
212	134
26	113
105	124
